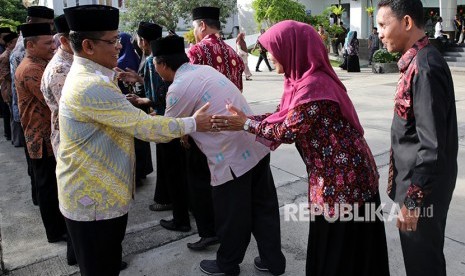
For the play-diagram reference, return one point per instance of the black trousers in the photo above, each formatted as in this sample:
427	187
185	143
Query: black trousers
6	119
97	245
423	249
144	164
372	52
47	195
261	57
352	248
175	169
162	194
248	205
17	134
30	169
200	190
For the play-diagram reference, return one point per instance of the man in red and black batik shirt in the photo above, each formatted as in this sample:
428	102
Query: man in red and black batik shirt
423	167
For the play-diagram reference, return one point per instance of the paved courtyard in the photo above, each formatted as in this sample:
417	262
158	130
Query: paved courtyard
151	250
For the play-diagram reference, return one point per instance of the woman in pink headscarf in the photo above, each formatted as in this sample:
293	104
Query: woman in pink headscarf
318	116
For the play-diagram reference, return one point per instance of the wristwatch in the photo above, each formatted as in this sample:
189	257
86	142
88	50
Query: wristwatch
247	124
410	204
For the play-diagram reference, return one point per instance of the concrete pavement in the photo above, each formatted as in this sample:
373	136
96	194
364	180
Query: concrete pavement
151	250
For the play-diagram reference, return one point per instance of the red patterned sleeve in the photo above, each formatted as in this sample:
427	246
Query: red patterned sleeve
296	122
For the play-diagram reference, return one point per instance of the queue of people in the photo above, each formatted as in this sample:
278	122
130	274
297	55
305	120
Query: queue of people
88	109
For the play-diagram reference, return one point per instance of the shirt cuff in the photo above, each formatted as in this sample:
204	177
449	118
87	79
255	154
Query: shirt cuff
190	125
415	196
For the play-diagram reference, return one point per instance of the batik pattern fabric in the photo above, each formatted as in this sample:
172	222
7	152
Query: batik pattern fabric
5	76
15	59
216	53
340	165
229	154
96	159
34	112
52	83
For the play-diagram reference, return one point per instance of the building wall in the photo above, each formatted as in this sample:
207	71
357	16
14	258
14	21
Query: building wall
59	5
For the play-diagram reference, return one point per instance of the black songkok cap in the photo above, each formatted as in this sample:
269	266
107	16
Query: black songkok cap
92	18
61	25
5	30
9	37
166	46
40	12
35	29
206	13
149	31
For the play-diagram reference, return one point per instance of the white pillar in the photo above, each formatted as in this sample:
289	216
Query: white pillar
358	18
447	10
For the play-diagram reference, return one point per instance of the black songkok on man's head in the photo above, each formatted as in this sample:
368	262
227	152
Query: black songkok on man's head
92	18
166	46
61	25
40	12
5	30
9	37
149	31
35	29
206	13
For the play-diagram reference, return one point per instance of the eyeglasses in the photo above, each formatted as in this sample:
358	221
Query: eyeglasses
114	42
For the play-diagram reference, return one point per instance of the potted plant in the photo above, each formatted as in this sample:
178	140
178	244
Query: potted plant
385	62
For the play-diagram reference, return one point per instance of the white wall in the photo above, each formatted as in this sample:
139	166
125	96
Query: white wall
246	19
58	5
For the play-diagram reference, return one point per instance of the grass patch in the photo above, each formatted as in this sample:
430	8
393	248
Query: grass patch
255	52
335	63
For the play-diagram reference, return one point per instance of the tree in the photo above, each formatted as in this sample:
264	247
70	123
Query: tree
12	13
273	11
168	13
338	11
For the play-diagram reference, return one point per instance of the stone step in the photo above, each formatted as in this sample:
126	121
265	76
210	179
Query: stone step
456	64
456	49
454	54
454	59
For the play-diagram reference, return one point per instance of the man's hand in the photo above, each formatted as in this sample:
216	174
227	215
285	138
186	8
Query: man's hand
128	75
407	220
202	119
138	101
184	140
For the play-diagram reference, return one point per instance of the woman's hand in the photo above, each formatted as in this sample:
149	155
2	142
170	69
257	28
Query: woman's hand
232	122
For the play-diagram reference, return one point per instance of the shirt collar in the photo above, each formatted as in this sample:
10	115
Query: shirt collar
210	37
93	66
37	60
408	56
65	55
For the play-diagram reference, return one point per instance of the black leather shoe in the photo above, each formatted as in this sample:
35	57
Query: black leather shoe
256	70
203	243
170	225
123	266
63	237
257	262
210	267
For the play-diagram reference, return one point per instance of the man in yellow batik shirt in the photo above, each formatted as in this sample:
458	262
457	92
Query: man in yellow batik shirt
95	159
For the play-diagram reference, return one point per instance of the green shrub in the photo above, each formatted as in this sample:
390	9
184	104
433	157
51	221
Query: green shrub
383	56
189	36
